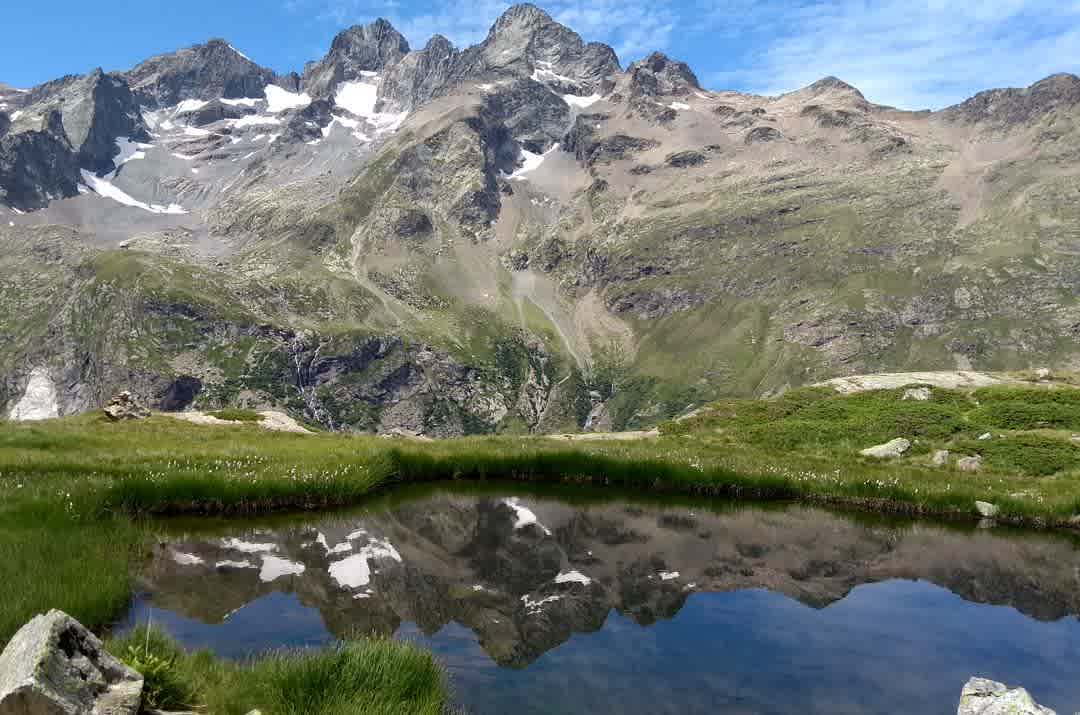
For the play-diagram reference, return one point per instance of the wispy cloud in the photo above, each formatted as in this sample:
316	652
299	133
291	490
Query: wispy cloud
910	53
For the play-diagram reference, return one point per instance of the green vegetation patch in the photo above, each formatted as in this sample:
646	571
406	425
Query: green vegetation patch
237	415
371	676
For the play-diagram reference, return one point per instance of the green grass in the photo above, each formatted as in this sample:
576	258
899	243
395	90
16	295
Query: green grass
77	496
376	676
237	415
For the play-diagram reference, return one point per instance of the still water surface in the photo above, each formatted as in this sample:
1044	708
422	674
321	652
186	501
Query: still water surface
557	603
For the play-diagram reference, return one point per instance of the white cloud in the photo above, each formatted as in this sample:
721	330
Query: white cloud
913	54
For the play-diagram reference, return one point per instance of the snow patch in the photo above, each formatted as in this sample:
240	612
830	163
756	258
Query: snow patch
274	567
196	132
545	74
668	575
359	98
129	151
187	559
246	546
241	102
39	399
254	120
573	577
581	102
234	565
16	115
355	571
679	105
531	162
105	189
185	157
279	100
336	549
239	53
533	607
524	516
189	105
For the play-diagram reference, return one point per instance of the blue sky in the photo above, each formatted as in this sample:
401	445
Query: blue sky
910	53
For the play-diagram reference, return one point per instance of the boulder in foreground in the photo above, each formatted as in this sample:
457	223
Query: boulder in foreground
55	666
987	697
891	449
125	406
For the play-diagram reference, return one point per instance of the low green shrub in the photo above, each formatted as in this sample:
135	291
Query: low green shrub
233	414
1032	454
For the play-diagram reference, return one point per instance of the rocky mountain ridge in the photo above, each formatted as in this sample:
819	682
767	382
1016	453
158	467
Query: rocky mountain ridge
518	235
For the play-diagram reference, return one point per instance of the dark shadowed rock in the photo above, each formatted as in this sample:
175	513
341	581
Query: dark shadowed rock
759	135
55	666
684	159
361	48
37	165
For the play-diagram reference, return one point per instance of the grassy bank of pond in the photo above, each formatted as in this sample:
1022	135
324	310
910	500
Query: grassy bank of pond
78	497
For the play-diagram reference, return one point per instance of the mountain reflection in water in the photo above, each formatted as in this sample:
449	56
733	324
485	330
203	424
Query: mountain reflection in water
540	605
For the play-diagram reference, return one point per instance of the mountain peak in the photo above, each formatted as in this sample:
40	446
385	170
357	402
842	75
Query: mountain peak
522	14
359	49
658	75
211	70
1014	106
833	83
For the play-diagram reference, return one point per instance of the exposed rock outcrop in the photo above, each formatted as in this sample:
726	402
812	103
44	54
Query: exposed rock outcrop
53	665
988	697
125	406
360	49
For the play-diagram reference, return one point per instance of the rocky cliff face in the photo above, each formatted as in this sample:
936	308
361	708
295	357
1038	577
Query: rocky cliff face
553	235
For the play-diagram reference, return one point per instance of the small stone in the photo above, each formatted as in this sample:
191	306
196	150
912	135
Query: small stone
891	449
987	697
919	394
986	509
125	406
970	464
1042	373
53	664
940	458
985	436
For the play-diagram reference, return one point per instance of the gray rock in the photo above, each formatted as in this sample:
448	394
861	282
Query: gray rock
940	458
361	48
210	71
986	509
919	394
985	436
970	464
891	449
125	406
55	666
987	697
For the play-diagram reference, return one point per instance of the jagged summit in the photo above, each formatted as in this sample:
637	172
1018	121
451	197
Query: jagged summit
201	72
1013	106
658	75
359	49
